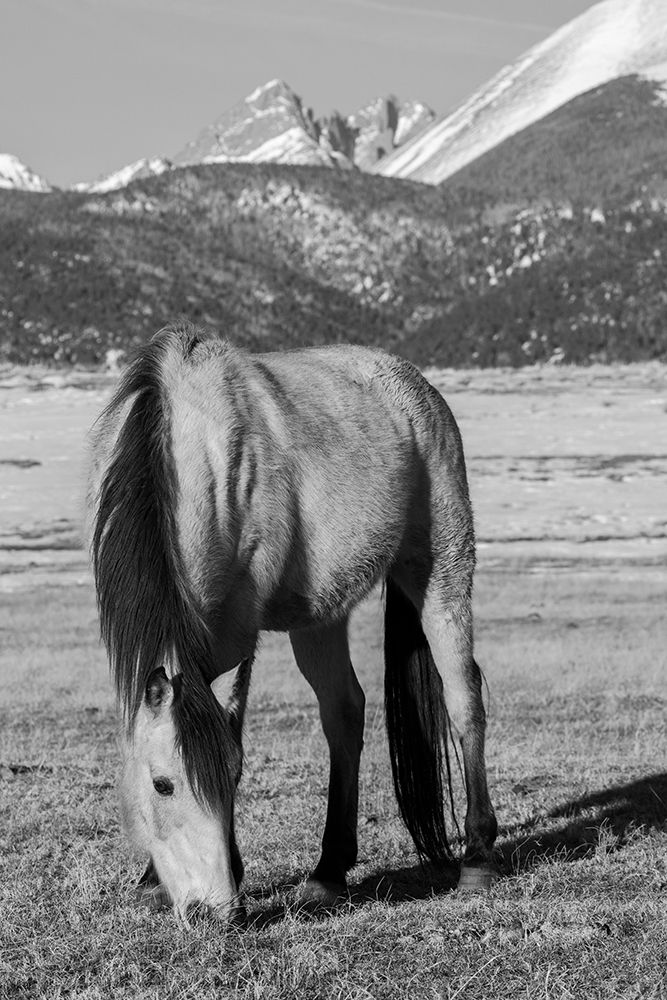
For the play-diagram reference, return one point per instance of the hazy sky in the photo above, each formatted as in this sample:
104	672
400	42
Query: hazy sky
90	85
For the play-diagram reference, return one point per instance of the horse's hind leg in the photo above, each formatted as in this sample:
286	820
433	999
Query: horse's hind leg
323	657
447	625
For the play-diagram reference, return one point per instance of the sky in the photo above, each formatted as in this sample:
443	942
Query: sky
90	85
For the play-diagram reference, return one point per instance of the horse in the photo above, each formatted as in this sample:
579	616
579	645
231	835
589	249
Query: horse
231	493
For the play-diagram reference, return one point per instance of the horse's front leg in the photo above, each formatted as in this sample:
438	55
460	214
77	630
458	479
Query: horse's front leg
323	656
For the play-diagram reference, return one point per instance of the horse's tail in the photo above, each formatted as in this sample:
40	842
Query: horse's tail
147	612
417	725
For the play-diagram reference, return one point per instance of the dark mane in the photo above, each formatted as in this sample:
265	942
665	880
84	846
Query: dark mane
148	615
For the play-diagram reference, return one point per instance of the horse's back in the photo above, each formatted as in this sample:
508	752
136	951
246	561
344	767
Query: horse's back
322	397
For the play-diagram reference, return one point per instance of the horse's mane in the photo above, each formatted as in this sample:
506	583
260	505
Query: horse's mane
148	614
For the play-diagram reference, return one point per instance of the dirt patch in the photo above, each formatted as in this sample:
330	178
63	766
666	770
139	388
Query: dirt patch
20	463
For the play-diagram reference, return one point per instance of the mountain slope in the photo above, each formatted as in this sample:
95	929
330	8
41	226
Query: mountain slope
269	125
276	257
606	146
612	39
121	178
15	175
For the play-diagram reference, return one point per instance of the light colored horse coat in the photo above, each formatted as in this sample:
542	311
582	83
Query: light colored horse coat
233	493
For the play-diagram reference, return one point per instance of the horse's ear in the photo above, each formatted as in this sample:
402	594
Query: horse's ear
159	691
231	690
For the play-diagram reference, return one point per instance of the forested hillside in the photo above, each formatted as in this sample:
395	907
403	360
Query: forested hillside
547	248
606	146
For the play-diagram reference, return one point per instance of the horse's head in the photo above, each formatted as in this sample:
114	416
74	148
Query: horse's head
182	763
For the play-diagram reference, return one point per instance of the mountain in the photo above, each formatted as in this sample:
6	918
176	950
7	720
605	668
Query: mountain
384	125
278	256
15	175
605	147
272	255
611	40
271	126
121	178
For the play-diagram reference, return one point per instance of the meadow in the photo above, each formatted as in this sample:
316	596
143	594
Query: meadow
567	469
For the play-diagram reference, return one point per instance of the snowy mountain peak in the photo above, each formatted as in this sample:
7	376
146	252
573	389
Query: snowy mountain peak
121	178
269	124
274	90
17	176
612	39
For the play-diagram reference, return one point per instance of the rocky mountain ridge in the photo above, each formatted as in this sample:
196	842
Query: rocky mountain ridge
271	126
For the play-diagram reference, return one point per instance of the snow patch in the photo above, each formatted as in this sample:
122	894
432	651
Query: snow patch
15	175
121	178
413	115
259	91
291	146
658	74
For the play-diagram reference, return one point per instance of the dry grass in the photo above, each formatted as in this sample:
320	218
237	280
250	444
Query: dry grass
572	636
575	659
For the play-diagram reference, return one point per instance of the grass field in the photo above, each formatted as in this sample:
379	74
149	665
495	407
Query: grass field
572	634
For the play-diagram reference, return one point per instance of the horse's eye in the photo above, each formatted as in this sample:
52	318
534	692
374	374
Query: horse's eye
163	786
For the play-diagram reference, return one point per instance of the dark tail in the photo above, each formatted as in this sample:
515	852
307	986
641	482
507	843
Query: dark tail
417	726
147	614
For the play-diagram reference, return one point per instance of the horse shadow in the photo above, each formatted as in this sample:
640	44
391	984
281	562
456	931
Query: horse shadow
608	817
569	832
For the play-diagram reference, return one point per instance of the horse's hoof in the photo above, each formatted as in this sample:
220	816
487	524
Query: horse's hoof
315	895
474	878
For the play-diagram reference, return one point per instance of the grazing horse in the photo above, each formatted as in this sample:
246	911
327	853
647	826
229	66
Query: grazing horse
232	493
